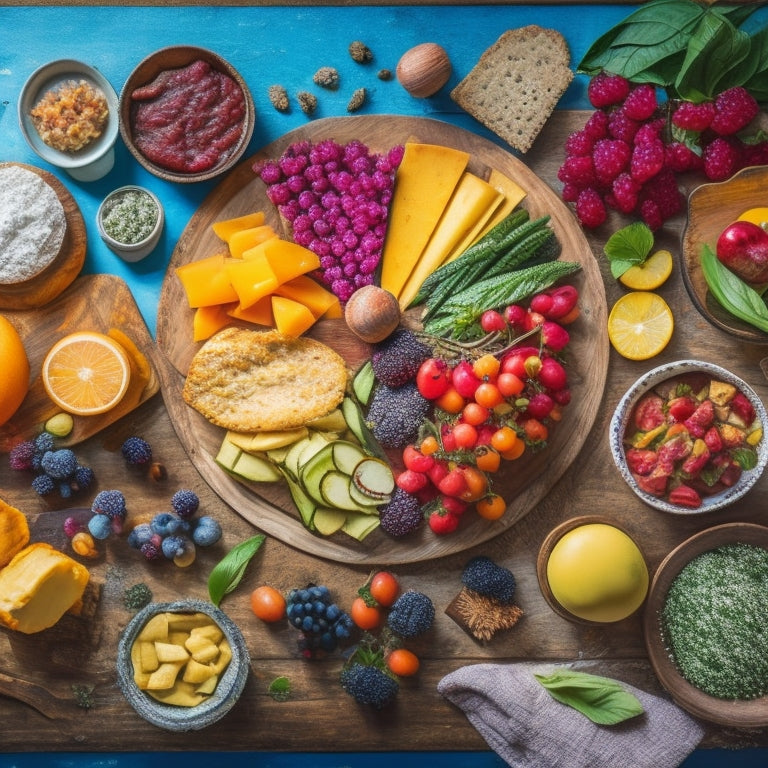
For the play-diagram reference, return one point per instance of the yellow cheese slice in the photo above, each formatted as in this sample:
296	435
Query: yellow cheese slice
513	193
471	205
425	181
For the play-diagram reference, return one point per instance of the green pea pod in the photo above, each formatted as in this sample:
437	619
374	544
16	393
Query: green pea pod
732	293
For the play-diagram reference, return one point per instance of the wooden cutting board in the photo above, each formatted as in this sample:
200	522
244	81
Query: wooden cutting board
59	274
524	483
93	303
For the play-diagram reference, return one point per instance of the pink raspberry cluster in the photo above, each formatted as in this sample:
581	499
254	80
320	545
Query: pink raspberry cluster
627	158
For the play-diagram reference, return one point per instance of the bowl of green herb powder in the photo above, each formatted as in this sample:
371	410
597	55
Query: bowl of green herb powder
705	624
130	222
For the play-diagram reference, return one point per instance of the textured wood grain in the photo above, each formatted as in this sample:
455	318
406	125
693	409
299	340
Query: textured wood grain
319	716
523	484
59	274
91	303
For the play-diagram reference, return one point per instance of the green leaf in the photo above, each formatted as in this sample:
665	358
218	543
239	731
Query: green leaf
745	457
628	246
732	293
280	689
757	84
228	572
602	700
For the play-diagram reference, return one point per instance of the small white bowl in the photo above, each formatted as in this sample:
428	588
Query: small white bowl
96	159
130	251
652	379
228	688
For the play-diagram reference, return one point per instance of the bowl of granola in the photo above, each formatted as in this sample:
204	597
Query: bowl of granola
68	114
688	437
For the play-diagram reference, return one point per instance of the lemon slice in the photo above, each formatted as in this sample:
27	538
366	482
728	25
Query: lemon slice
649	275
86	373
640	325
757	216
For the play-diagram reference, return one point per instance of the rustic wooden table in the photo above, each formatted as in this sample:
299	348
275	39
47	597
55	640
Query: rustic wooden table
38	712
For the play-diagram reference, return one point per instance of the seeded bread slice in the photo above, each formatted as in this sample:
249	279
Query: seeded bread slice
516	84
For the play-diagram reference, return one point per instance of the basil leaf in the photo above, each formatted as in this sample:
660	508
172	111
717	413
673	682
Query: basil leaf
628	246
228	572
745	457
732	293
602	700
757	84
715	47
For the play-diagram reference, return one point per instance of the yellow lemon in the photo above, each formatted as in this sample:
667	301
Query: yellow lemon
640	325
14	382
86	373
597	573
757	216
649	275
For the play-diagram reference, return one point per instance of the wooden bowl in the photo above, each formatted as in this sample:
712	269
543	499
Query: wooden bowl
711	208
649	381
228	688
751	713
177	57
542	561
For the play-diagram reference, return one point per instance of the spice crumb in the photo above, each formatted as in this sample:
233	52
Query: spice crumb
384	74
360	52
357	100
278	97
327	77
307	102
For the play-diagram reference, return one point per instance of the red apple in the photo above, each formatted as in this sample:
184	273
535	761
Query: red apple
743	248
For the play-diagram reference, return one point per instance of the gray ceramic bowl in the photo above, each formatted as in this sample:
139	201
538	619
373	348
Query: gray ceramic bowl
96	159
130	251
179	718
654	378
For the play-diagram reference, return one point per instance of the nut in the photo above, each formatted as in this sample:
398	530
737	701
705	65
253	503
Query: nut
372	313
424	70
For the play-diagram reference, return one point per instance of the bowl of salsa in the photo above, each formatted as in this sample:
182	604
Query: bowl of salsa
186	114
688	437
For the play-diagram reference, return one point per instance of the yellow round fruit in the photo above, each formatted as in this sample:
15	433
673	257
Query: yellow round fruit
86	373
757	216
597	573
640	325
649	275
14	383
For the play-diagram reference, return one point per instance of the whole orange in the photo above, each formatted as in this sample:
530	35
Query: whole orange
14	383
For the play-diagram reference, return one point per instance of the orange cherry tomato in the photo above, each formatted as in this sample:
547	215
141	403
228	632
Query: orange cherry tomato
488	395
486	367
510	384
535	430
477	484
475	414
403	663
486	459
429	445
384	588
450	401
491	507
515	452
465	435
365	616
268	604
504	439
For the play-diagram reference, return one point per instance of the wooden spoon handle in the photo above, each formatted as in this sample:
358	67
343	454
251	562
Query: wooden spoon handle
35	695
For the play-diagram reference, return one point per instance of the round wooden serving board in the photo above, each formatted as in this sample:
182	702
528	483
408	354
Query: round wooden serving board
91	303
268	506
59	274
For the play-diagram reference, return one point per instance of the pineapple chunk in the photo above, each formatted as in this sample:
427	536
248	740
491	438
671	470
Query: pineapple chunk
170	652
164	676
195	672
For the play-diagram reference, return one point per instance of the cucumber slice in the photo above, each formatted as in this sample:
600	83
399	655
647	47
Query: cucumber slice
312	473
307	507
364	500
373	477
228	454
356	422
331	422
256	469
359	525
334	488
290	463
346	456
363	383
329	521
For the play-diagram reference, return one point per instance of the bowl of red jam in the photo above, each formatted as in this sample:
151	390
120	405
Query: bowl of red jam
688	437
186	114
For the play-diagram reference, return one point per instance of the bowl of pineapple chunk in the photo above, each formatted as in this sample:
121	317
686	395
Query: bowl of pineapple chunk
182	665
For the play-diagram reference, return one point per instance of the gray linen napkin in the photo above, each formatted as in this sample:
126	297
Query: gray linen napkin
527	728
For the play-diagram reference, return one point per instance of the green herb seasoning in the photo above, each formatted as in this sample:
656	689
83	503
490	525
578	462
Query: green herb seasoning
130	217
713	622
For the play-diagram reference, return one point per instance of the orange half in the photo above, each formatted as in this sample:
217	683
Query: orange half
86	373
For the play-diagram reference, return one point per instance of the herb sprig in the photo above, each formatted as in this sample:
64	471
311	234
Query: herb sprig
229	571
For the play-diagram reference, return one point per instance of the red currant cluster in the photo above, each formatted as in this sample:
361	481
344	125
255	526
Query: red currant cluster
489	409
632	149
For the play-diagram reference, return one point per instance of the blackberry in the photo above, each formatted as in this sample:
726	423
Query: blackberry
369	684
59	464
484	576
396	414
185	503
401	515
83	478
109	503
411	615
43	485
21	455
136	450
397	359
44	442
